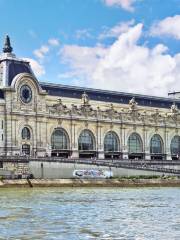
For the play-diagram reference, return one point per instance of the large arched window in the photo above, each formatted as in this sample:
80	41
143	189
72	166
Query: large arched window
59	140
175	145
156	145
26	133
135	143
111	142
86	141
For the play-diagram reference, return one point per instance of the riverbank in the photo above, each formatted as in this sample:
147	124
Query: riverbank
91	183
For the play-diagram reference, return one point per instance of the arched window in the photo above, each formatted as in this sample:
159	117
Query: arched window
86	141
26	133
111	142
59	140
135	143
156	145
175	145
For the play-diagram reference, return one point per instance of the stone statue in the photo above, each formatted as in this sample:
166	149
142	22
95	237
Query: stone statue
59	101
85	99
59	108
133	104
174	108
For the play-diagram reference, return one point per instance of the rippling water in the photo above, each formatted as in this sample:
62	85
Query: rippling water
90	213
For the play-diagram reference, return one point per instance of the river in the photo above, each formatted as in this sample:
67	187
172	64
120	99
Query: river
90	213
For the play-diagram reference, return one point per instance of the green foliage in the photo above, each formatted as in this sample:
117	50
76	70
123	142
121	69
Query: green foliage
1	178
147	177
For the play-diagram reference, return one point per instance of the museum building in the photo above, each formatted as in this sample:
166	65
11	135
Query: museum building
45	119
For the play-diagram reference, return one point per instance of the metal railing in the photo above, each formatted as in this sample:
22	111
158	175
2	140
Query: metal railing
141	164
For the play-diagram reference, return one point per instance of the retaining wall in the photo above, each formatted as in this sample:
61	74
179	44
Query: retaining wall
55	170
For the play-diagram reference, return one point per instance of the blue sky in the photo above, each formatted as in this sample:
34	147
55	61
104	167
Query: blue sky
125	45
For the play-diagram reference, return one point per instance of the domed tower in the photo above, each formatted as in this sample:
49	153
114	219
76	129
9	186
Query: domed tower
10	66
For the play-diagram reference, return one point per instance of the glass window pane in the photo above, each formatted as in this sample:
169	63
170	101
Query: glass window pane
86	140
26	133
111	142
175	145
135	144
156	145
59	140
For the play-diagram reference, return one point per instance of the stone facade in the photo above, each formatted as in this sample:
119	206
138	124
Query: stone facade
55	124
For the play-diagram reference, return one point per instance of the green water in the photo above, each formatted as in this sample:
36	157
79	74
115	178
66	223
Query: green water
90	213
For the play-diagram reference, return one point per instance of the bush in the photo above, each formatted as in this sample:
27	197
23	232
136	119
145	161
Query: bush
141	177
1	178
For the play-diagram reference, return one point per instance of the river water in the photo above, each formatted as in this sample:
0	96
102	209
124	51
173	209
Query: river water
90	213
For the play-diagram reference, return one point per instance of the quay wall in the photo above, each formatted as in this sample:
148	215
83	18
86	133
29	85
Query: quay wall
55	170
90	183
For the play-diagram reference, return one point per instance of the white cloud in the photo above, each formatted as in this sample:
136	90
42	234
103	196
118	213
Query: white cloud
83	34
115	31
125	4
37	68
53	42
125	65
41	52
84	63
169	26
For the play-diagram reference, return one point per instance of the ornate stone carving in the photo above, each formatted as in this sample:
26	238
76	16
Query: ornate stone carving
98	113
74	110
174	108
87	110
133	104
156	115
111	112
174	112
59	108
131	114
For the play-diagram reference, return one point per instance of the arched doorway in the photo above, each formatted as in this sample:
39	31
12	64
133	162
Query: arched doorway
135	146
175	148
157	148
86	144
60	143
111	146
26	149
26	139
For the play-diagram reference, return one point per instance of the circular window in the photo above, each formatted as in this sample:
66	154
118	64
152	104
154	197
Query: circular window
25	93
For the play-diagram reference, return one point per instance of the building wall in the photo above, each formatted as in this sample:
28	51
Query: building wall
45	113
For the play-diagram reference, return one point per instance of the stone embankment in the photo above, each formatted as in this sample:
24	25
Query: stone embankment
91	183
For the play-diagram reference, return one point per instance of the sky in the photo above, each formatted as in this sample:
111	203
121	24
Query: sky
122	45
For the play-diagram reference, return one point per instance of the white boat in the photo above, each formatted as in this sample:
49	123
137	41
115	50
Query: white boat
92	173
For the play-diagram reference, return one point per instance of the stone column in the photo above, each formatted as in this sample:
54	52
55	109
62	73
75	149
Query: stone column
75	152
167	146
124	144
146	145
100	142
